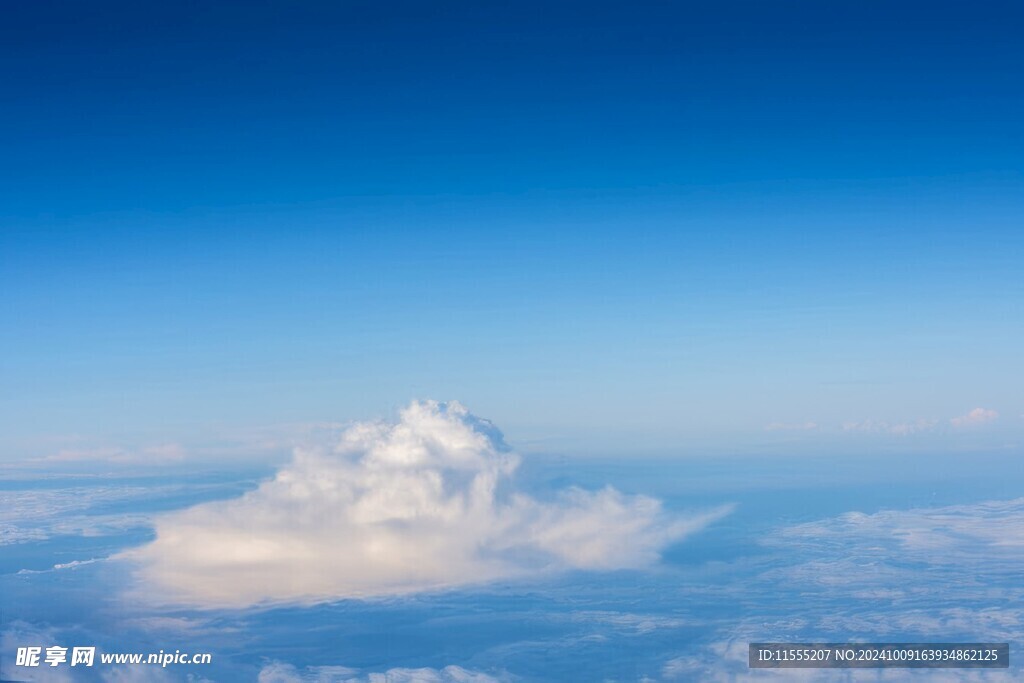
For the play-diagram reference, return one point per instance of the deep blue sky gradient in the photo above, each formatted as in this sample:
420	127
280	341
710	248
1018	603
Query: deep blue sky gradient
608	226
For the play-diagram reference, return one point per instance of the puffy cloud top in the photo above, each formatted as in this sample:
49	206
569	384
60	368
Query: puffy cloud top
425	503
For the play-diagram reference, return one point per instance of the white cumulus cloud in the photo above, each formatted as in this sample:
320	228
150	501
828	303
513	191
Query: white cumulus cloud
425	503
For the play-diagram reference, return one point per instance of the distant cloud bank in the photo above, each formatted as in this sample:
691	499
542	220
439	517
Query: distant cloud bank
151	455
895	428
425	503
973	418
978	416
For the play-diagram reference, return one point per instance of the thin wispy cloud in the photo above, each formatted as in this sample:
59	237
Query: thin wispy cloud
974	418
61	566
993	529
282	672
918	426
161	454
791	426
422	504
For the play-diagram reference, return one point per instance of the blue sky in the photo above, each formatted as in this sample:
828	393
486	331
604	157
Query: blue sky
739	282
668	228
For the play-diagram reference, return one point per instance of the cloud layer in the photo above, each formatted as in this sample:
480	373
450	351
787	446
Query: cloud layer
37	514
280	672
988	533
942	574
422	504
